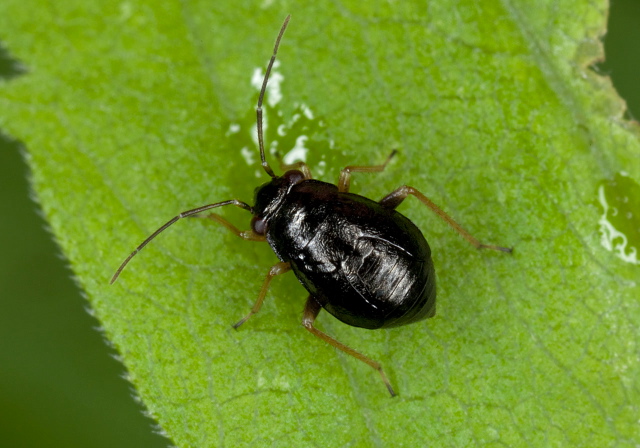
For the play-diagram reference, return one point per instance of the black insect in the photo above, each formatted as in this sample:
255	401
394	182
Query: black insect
360	260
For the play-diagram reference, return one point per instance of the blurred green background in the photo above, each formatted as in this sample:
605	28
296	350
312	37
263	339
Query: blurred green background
59	385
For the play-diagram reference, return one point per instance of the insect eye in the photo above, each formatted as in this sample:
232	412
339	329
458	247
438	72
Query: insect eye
258	225
293	177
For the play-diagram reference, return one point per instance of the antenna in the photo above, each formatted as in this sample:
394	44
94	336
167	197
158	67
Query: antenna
235	202
186	214
265	165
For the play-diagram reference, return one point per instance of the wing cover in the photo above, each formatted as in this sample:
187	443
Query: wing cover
367	265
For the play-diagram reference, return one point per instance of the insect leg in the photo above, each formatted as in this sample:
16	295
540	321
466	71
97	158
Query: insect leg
276	269
248	235
300	166
345	175
395	198
311	310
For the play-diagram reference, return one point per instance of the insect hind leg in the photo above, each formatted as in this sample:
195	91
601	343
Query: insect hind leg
311	310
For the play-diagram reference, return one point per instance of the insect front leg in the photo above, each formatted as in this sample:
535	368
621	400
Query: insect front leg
248	235
311	310
345	175
300	166
395	198
276	269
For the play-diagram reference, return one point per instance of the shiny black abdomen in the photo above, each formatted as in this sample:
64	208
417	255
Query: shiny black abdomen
367	265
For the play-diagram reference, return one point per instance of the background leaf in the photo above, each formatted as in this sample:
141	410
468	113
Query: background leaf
497	118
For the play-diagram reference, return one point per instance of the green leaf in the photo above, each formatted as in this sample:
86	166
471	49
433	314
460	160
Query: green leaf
135	111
